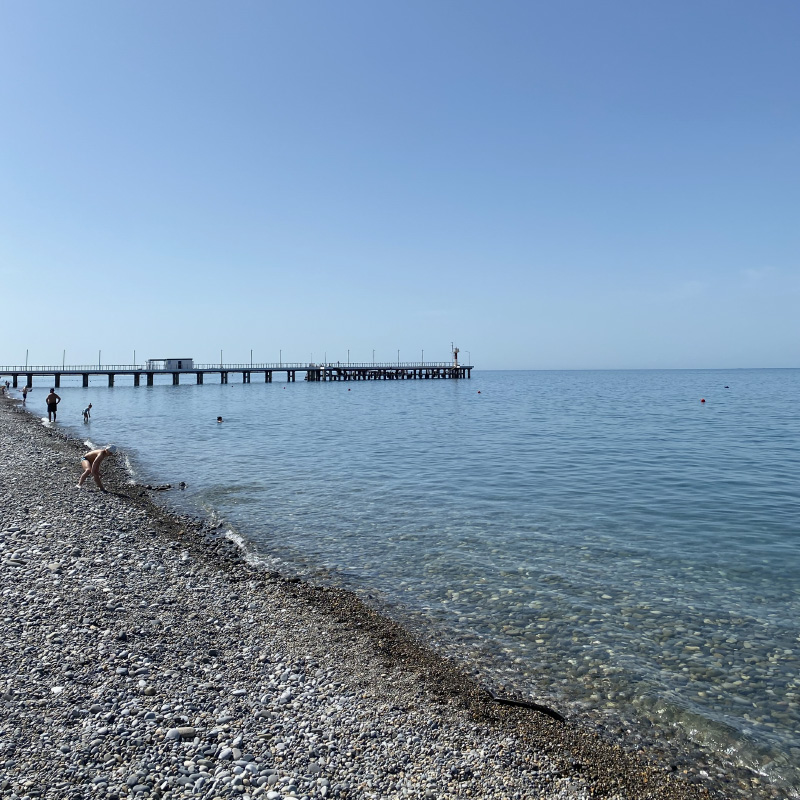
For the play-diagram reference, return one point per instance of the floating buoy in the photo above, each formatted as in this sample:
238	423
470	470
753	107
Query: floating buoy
702	400
479	391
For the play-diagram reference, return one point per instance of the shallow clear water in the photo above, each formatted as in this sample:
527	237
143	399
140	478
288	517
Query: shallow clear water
593	537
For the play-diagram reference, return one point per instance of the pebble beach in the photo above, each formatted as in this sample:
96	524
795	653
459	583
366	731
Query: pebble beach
142	657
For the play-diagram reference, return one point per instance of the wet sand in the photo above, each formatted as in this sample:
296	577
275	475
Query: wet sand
142	657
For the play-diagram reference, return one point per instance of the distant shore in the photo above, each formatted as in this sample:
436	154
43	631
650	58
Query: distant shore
143	657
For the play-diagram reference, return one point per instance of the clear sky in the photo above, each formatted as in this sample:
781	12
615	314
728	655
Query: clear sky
547	184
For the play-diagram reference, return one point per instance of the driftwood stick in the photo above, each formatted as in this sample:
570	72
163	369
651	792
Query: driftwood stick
507	701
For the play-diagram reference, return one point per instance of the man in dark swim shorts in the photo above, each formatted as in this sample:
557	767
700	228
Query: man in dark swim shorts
52	401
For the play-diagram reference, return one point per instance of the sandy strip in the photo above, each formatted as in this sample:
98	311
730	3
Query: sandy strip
141	657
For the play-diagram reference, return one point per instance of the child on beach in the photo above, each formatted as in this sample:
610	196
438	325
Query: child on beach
91	464
86	413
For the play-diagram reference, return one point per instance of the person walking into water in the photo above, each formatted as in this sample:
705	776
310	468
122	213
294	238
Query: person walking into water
87	412
91	464
25	394
52	401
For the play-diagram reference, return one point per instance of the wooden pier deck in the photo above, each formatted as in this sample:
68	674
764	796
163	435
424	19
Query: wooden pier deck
419	370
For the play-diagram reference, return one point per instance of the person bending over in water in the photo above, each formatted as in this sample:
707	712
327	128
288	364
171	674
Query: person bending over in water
91	464
87	412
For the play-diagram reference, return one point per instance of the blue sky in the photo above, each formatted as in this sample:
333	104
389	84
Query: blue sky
549	185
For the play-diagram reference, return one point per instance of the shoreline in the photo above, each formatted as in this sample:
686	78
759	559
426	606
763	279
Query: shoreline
197	657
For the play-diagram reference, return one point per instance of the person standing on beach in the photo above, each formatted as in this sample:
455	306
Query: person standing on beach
52	401
91	464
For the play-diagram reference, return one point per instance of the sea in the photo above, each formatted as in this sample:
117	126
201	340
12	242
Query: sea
621	543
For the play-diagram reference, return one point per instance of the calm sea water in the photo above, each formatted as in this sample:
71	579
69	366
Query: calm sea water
598	538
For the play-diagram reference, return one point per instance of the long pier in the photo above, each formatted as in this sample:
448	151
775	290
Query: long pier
413	370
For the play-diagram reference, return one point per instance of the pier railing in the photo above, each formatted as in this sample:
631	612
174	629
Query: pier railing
51	369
